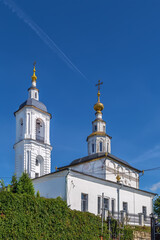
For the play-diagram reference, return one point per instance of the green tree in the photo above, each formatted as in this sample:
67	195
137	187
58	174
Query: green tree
2	185
14	184
8	188
38	194
25	185
157	206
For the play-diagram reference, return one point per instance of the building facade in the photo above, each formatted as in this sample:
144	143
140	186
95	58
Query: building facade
100	182
86	193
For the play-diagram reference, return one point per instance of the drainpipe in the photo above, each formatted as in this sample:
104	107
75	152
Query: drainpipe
66	186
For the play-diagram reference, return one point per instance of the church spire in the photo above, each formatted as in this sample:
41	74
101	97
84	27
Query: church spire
98	140
98	107
33	91
34	77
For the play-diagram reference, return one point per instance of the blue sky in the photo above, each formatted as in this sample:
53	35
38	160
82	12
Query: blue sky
75	43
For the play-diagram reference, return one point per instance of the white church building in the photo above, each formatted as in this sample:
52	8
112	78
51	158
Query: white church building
96	182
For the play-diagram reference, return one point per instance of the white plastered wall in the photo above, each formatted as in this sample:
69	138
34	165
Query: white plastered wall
51	186
128	176
106	144
29	116
94	188
27	148
109	169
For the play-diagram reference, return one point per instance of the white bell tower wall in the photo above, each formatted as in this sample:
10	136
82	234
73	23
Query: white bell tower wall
32	145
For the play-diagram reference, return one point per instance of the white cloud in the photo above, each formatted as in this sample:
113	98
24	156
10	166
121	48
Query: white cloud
155	187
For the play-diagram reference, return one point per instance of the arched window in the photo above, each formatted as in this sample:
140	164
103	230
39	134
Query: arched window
100	146
39	166
92	147
21	128
40	130
107	147
94	128
37	163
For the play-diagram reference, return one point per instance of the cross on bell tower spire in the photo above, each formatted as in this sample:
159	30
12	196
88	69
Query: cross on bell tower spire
98	84
98	107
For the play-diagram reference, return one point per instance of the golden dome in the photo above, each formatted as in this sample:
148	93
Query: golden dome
34	77
98	107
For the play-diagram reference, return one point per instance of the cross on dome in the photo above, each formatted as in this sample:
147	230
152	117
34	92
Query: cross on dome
98	84
98	107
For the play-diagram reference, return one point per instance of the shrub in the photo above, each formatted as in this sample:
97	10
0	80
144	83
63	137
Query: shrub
25	185
23	216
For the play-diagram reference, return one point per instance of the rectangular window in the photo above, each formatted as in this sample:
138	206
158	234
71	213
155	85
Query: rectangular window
95	128
113	207
106	203
125	207
92	147
104	129
100	146
144	211
99	205
84	202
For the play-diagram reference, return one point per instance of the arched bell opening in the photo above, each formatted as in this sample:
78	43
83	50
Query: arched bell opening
20	128
40	130
39	168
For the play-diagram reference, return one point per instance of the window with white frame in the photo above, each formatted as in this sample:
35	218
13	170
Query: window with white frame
92	147
107	147
84	202
113	206
144	211
100	146
125	207
106	203
99	205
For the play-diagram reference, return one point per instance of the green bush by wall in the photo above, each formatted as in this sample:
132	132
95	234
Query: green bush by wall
24	216
27	217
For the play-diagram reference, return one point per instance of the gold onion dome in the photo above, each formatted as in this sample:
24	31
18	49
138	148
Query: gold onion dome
34	77
98	107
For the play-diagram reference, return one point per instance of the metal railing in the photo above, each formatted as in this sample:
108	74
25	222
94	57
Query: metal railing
132	219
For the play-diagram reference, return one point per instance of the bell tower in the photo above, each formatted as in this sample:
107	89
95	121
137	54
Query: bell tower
32	146
98	140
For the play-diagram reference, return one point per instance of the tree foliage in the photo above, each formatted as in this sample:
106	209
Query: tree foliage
25	185
24	216
157	206
38	194
3	188
14	183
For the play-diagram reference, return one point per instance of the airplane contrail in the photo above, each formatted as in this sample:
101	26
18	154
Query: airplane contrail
42	35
